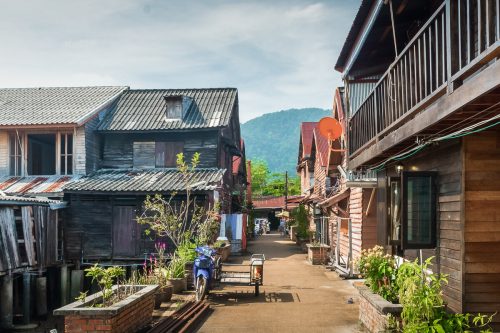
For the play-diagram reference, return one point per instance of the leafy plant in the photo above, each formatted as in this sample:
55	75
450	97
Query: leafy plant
423	306
105	277
380	271
300	217
175	268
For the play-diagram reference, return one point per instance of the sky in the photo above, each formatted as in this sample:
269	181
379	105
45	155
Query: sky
280	54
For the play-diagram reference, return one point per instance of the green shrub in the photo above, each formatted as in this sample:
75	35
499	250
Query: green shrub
300	217
380	271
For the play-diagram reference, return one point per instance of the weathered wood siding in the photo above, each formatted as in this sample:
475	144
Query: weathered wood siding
92	145
446	159
9	252
79	151
482	223
369	219
119	148
4	153
88	228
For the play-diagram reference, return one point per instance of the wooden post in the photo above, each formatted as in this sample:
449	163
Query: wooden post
26	297
6	305
349	221
76	283
41	296
64	285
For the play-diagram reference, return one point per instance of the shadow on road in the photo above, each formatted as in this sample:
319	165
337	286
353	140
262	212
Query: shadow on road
248	297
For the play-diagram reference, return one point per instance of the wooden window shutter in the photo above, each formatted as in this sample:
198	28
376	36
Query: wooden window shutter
166	153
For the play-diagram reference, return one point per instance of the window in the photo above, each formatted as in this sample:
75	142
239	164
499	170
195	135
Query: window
394	213
15	154
41	154
418	210
166	153
174	109
66	154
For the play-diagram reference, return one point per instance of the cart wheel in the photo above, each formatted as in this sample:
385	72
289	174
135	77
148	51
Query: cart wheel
201	288
256	289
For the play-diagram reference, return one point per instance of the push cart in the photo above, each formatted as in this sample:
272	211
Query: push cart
244	274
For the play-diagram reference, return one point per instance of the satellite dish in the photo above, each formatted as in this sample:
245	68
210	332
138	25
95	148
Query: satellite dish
330	128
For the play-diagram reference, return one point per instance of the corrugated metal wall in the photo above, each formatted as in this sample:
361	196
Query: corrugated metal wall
358	91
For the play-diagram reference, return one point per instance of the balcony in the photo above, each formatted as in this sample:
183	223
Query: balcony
457	41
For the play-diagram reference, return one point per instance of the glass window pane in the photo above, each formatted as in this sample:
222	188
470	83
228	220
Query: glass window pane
395	210
70	165
419	209
63	166
63	140
70	143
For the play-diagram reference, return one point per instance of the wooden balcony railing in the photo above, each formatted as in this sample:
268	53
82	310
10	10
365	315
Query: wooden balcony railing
450	43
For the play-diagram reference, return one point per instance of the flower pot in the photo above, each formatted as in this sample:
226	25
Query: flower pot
163	295
178	284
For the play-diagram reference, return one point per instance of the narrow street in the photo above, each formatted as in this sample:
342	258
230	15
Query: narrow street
295	297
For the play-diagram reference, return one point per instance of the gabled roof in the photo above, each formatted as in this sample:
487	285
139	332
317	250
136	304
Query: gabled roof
53	105
306	136
322	149
146	180
142	110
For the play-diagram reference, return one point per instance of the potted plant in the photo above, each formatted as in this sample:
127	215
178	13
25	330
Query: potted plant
107	306
175	274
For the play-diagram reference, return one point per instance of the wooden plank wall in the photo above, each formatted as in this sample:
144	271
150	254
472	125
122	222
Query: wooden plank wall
79	151
9	253
369	219
4	153
482	222
88	221
119	153
446	159
92	145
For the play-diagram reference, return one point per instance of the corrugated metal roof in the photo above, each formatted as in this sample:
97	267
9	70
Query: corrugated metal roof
141	110
271	202
35	185
322	148
52	105
352	36
145	180
9	199
306	133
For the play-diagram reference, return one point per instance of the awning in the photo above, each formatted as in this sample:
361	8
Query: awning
335	198
11	200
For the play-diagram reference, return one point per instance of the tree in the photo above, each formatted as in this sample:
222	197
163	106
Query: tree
266	183
179	222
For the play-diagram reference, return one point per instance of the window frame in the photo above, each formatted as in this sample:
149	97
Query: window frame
405	175
65	156
17	154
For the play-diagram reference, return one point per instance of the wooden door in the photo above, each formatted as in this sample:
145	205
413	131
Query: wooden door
124	231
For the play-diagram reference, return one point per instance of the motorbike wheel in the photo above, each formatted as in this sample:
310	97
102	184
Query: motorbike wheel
201	288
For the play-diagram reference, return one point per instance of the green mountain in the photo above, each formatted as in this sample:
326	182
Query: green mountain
274	137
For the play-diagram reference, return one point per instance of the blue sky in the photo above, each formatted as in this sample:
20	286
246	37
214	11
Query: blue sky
279	54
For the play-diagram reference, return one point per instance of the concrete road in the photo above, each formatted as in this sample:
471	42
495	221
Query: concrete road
295	297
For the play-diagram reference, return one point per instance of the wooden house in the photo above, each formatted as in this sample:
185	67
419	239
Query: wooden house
47	140
304	166
350	205
140	137
422	85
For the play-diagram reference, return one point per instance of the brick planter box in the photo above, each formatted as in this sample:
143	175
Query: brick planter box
373	310
127	315
317	255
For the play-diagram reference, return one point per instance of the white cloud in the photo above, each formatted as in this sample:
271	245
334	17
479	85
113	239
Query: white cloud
279	54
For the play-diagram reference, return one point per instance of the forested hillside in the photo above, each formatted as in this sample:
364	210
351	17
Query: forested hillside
274	137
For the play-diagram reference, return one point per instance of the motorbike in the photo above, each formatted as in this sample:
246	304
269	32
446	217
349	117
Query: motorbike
206	270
